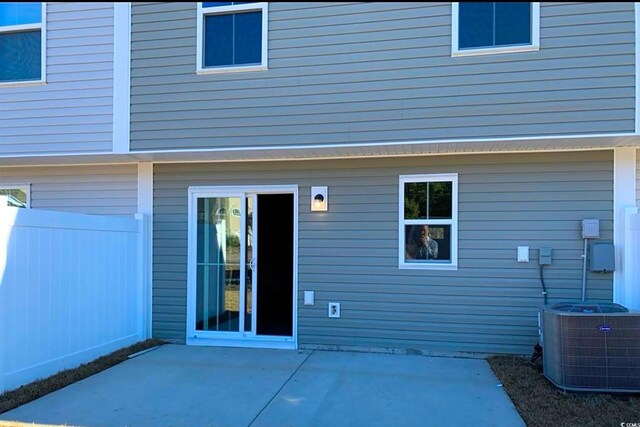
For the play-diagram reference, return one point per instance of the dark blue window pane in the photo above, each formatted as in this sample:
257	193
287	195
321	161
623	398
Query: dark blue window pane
493	24
20	13
214	4
233	39
20	56
218	40
513	23
248	35
475	25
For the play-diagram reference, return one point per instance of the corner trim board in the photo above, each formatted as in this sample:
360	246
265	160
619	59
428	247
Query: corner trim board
145	207
624	196
121	76
637	65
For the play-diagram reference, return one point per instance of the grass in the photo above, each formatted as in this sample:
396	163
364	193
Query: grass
32	391
542	404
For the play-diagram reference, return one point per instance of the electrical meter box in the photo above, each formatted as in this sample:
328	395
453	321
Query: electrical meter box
590	228
602	257
544	256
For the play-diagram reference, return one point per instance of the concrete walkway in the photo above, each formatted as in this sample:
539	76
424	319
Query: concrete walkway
199	386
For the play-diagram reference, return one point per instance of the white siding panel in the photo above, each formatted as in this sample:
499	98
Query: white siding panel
73	111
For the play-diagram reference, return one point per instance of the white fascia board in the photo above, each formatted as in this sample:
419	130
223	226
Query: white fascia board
538	144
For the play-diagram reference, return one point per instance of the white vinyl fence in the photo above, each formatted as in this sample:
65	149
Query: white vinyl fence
71	289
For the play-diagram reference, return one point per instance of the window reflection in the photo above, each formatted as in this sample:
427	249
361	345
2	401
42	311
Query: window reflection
428	243
218	265
487	24
15	197
428	200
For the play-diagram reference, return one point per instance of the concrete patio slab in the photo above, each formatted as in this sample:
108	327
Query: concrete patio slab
360	389
198	386
172	386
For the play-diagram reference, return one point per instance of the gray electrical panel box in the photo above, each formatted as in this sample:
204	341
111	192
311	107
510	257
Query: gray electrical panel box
602	257
544	256
590	228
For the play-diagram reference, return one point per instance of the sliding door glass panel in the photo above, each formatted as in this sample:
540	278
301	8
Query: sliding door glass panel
250	267
218	264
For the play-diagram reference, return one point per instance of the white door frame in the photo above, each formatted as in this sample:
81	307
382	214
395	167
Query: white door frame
215	339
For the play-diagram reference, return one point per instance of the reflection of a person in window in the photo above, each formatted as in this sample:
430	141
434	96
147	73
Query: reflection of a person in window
427	247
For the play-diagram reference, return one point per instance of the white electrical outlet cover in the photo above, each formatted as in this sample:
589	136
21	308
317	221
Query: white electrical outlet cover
334	309
523	253
309	297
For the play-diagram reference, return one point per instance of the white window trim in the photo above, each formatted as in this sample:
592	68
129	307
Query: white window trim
23	187
535	36
403	179
203	11
43	49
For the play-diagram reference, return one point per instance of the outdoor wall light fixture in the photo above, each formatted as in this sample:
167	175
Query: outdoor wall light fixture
319	199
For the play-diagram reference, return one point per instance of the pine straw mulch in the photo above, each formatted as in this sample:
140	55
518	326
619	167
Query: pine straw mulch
542	404
32	391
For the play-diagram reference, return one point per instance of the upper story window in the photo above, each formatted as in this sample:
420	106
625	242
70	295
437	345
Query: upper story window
232	36
428	226
22	43
486	28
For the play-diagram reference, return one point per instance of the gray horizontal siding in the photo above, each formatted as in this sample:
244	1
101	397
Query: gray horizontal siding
73	111
372	72
350	253
95	189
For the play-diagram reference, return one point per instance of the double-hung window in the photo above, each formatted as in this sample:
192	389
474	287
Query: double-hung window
428	226
18	196
499	27
22	43
231	37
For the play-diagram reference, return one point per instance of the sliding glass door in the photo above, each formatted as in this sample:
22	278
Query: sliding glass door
225	265
241	286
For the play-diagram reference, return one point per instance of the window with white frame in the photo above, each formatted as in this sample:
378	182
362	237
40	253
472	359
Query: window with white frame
428	226
497	27
18	196
22	42
232	36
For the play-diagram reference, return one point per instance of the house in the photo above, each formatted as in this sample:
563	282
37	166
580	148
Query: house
335	175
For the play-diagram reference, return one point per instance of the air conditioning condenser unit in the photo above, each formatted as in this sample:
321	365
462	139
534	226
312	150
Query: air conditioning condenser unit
591	347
